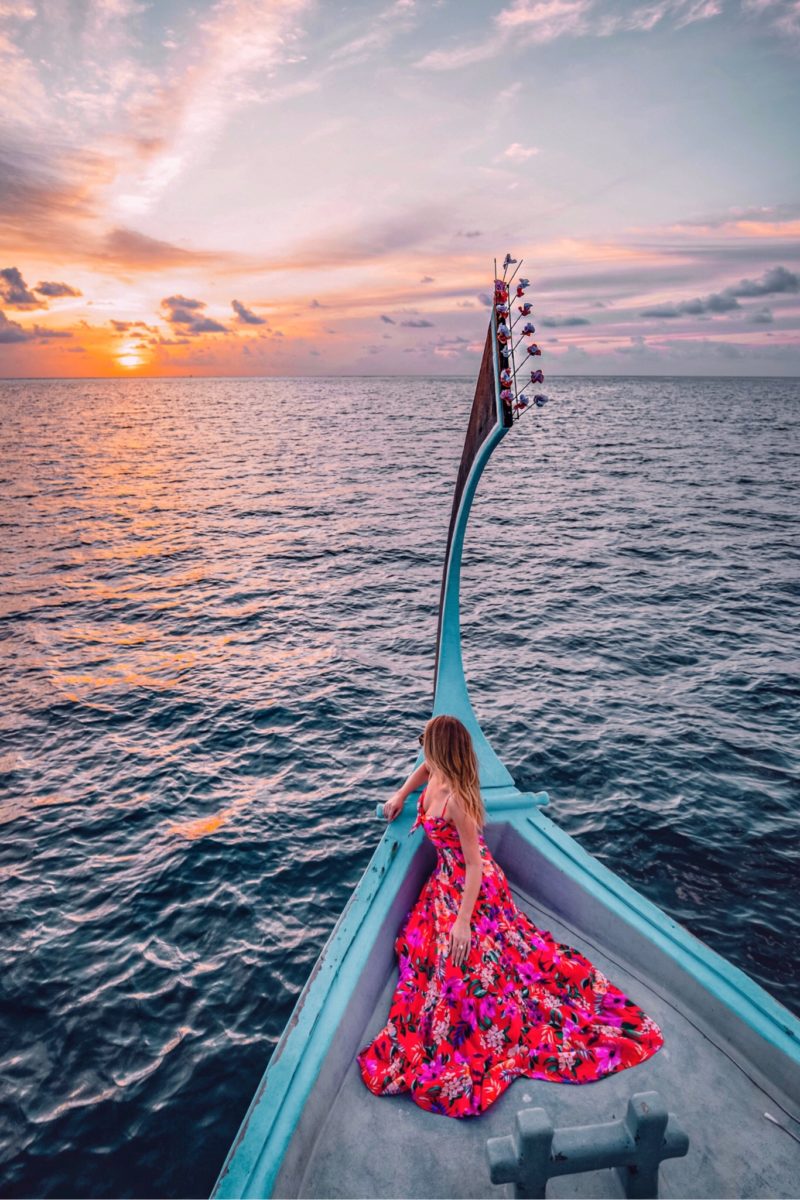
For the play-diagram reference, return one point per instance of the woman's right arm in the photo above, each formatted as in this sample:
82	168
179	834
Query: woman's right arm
394	806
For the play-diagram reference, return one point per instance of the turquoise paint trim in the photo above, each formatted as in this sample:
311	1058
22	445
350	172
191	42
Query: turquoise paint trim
255	1158
731	986
451	694
257	1152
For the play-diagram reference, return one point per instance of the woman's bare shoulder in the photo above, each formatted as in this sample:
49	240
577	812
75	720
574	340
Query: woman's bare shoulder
460	813
456	805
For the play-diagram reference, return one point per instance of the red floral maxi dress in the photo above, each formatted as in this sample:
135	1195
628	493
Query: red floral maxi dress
521	1004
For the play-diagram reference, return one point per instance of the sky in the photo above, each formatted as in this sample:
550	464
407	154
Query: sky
284	187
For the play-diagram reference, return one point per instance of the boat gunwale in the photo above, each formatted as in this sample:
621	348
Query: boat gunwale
768	1015
261	1144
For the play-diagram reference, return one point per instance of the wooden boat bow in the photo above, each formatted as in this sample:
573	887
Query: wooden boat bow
490	419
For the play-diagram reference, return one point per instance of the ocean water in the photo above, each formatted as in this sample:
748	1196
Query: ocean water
218	610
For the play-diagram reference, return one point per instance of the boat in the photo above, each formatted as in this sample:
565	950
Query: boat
716	1113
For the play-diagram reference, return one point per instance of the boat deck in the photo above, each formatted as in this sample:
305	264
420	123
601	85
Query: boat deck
387	1146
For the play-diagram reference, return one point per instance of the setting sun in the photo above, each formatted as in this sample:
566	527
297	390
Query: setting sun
129	360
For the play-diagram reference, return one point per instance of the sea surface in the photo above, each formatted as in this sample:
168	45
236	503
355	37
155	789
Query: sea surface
218	611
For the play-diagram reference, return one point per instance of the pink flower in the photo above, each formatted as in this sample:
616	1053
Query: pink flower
607	1057
487	1008
469	1011
528	973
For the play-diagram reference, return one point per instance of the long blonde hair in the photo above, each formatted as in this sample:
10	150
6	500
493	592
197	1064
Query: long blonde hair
448	747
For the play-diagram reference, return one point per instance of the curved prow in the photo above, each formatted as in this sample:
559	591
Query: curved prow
489	422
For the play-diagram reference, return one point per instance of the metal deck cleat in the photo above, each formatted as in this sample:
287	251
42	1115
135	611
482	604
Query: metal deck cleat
636	1146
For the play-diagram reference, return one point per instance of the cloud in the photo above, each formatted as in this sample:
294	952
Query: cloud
775	281
456	57
362	241
453	347
759	217
762	317
637	344
245	315
186	316
369	241
183	302
523	22
556	322
661	310
14	290
417	323
237	47
42	334
124	326
717	302
39	208
12	331
126	104
696	10
55	290
536	22
783	16
47	191
387	320
127	248
398	18
519	153
544	19
51	201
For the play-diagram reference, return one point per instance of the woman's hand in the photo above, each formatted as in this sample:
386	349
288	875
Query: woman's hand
394	806
460	936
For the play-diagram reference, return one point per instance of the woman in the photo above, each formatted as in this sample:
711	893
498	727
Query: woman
483	996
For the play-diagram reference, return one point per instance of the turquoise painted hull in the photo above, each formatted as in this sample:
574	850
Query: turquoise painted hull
762	1034
309	1071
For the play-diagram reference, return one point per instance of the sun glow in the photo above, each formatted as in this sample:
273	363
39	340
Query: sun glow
129	358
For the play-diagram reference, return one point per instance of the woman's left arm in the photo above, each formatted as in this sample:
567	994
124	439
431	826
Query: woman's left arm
461	931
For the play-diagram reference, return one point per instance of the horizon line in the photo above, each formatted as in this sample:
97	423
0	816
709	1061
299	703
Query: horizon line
376	375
